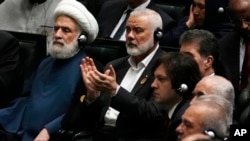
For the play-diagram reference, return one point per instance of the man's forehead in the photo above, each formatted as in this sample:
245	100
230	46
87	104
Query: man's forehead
199	1
138	22
138	18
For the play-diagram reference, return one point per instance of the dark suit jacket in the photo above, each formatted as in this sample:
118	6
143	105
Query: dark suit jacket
219	23
11	79
132	122
176	120
229	49
172	37
111	12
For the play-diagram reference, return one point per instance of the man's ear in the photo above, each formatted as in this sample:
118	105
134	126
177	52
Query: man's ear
209	61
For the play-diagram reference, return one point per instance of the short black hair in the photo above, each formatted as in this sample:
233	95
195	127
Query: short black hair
206	41
181	69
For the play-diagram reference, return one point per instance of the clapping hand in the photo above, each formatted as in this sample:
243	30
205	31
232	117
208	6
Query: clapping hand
87	67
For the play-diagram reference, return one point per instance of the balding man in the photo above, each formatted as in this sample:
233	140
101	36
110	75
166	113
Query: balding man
214	85
204	116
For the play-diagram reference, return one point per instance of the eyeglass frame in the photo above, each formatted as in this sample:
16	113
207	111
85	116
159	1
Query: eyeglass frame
240	20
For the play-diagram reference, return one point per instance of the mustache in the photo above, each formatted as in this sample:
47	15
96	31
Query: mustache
130	44
58	41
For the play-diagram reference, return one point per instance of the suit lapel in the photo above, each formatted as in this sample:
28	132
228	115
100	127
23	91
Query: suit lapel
146	76
120	73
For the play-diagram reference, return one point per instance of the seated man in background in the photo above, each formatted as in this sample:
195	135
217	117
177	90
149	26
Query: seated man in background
204	116
11	73
31	16
173	89
203	45
225	104
113	14
214	85
211	15
37	115
235	49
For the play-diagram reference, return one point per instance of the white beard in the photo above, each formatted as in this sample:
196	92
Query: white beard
135	50
63	52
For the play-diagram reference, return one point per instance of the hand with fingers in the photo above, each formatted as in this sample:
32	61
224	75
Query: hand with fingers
43	135
105	82
191	21
87	67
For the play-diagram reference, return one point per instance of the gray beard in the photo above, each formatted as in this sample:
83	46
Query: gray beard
65	52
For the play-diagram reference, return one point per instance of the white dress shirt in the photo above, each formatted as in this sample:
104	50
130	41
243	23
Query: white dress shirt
128	82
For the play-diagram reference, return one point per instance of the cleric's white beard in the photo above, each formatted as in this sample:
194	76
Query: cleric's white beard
64	52
134	50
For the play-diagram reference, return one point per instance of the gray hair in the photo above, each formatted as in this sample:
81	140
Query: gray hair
220	86
154	18
225	104
216	117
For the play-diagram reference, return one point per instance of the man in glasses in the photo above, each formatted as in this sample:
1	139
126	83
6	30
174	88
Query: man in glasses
234	48
210	15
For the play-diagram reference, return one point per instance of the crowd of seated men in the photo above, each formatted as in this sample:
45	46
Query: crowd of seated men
215	33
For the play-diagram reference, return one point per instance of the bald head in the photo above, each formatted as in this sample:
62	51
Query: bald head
240	3
215	85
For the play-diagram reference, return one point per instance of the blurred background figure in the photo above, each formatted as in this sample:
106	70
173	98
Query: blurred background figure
210	15
235	53
215	85
113	15
203	45
31	16
11	72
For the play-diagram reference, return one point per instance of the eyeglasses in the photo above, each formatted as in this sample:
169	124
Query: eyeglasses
240	20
